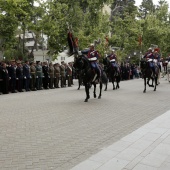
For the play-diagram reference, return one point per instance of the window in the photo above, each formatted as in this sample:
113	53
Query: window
62	58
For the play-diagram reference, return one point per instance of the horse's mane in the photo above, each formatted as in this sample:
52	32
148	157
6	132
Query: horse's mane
106	62
85	59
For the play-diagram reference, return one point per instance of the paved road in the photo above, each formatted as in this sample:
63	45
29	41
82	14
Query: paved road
55	129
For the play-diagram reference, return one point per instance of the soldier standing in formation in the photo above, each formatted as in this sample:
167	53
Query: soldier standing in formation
26	73
62	72
46	75
5	79
33	76
19	76
69	74
51	75
12	76
39	76
0	79
56	75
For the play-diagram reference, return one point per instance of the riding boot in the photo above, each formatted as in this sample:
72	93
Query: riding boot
153	72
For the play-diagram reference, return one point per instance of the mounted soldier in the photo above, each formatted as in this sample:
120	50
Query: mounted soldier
157	57
149	56
93	56
113	60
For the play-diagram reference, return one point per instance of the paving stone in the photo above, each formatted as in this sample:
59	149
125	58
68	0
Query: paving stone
51	128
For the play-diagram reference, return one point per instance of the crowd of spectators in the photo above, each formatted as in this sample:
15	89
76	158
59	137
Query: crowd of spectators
16	76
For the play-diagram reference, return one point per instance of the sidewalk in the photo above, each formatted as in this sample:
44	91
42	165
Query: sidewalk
147	148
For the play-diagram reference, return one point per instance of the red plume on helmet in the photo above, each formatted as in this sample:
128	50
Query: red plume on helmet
156	49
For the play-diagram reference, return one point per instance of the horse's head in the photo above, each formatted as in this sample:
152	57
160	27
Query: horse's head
106	61
81	62
143	64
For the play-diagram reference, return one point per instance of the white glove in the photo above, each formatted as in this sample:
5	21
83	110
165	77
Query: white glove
24	77
37	76
16	78
9	78
30	77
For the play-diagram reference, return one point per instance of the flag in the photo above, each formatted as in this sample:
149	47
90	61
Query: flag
107	41
70	41
140	40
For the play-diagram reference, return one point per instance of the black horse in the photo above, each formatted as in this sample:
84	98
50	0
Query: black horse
112	73
82	63
147	74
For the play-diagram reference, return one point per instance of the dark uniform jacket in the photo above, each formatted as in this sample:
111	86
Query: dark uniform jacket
19	72
26	71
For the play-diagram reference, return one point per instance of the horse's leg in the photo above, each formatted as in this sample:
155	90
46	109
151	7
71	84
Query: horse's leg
94	92
152	82
79	84
168	76
159	75
144	84
105	87
87	92
117	83
100	94
148	82
113	83
156	79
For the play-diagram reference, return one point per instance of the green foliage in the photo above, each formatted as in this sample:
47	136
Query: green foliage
87	22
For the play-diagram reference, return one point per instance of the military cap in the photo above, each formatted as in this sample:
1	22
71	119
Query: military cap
18	62
91	45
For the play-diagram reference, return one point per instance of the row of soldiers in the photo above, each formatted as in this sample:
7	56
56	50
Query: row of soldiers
31	76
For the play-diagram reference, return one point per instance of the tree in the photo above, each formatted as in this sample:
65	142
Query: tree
146	7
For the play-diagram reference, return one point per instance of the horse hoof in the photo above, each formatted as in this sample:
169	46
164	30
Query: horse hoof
144	91
86	100
78	89
105	90
99	97
94	96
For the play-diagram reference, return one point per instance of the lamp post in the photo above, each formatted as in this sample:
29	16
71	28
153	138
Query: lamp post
129	59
